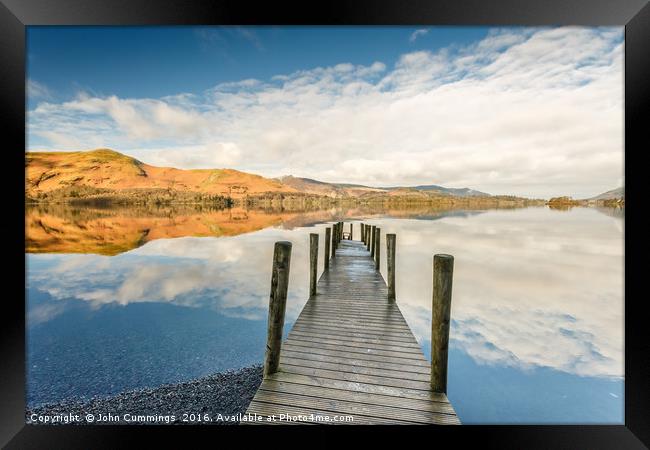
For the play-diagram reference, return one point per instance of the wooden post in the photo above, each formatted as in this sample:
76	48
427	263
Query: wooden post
377	248
363	233
313	262
372	241
368	228
350	231
333	240
277	305
341	231
390	265
443	271
326	264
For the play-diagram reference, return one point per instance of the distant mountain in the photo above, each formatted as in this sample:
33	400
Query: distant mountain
312	186
459	192
614	194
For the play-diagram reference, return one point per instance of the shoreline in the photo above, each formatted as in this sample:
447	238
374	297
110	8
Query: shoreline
220	399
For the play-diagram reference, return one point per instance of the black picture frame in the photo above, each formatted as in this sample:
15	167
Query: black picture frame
15	15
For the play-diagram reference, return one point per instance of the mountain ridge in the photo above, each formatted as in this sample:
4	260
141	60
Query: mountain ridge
613	194
109	169
82	172
360	189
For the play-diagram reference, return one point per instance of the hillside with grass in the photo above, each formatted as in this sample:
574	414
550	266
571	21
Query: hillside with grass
104	176
107	173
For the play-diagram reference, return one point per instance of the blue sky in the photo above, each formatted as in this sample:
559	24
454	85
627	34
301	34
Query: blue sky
160	61
505	111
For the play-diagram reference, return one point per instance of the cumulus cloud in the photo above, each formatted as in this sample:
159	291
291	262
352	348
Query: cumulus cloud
535	112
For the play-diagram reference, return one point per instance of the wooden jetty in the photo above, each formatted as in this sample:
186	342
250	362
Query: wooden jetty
350	357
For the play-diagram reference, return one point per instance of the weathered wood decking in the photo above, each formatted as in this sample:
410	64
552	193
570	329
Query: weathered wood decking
351	353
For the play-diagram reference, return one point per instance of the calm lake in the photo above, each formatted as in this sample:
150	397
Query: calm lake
130	298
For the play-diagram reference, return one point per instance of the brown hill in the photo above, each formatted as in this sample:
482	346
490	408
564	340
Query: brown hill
106	176
47	172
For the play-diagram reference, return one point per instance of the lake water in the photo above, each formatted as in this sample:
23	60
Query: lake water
130	298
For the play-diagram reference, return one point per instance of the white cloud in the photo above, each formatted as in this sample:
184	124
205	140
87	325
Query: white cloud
535	112
417	33
214	154
36	90
251	37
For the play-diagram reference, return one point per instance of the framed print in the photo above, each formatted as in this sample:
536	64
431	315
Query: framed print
363	214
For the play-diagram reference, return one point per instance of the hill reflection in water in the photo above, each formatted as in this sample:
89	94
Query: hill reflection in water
111	231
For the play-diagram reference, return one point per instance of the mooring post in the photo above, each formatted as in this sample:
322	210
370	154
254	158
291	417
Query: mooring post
377	248
443	271
350	231
363	233
313	262
277	305
390	265
326	263
368	228
372	241
333	240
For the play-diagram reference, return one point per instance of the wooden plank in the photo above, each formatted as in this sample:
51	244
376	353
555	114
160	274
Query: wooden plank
361	313
358	362
354	351
343	407
408	363
332	326
350	367
388	318
345	376
354	340
340	310
269	409
400	392
354	333
327	328
331	337
363	324
359	397
404	341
